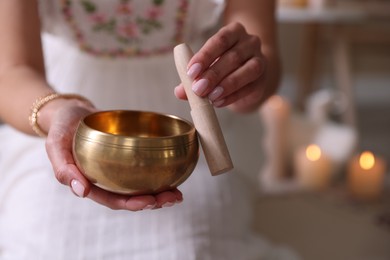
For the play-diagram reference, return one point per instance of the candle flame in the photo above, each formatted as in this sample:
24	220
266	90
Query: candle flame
367	160
313	152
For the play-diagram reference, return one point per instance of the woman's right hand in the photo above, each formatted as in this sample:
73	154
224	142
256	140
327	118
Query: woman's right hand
63	117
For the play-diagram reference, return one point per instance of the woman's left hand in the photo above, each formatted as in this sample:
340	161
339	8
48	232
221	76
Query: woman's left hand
65	115
231	70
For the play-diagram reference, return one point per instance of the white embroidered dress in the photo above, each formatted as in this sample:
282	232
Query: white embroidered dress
118	54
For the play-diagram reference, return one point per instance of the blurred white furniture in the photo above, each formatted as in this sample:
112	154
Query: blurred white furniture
343	24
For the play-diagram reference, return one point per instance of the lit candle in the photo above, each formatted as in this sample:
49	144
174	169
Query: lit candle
275	114
293	3
366	176
312	168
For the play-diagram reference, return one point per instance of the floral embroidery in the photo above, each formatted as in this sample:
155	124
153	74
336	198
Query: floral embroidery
125	24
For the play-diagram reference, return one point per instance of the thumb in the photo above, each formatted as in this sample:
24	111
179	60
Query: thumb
180	92
59	150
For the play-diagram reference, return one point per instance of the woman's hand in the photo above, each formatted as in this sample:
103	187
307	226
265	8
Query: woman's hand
230	69
63	124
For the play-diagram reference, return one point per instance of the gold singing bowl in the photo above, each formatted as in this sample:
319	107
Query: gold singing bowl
135	152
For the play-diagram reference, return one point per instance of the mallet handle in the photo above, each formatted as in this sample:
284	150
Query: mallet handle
204	118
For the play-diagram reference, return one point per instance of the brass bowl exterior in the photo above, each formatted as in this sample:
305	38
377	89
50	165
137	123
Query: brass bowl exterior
135	152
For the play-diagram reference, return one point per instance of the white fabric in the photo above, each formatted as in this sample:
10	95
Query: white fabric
42	219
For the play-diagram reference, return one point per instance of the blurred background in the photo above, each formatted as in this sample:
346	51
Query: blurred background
335	94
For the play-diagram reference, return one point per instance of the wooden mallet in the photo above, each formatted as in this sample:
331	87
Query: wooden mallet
204	118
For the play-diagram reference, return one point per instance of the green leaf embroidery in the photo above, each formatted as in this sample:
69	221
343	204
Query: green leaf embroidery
158	2
145	25
108	26
88	6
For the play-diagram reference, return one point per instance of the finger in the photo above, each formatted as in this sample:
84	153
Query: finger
179	195
248	97
168	198
117	201
229	62
251	71
180	92
214	47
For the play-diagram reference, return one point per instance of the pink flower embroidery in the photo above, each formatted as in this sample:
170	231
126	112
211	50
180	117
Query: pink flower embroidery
124	9
122	22
128	30
154	12
98	18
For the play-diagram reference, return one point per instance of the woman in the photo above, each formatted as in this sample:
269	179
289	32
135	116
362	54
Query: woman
118	55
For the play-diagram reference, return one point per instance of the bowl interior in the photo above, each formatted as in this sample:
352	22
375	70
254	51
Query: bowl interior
138	124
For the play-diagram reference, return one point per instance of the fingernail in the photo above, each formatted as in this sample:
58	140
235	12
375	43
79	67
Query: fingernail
151	206
77	188
194	70
176	91
215	94
200	86
219	103
168	204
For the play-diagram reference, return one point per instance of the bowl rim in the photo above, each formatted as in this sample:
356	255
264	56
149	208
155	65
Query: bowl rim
185	136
